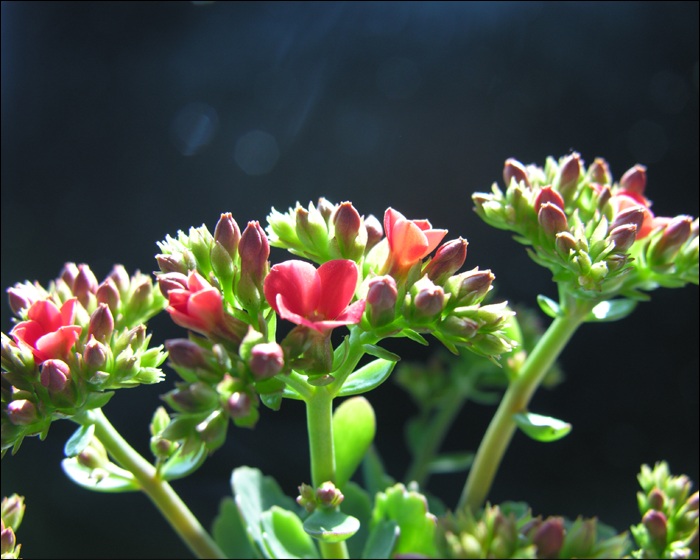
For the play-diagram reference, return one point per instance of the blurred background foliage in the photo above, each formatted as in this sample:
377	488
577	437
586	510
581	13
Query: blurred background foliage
125	121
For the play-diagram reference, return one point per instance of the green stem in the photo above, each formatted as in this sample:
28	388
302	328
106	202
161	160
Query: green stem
516	399
159	491
441	421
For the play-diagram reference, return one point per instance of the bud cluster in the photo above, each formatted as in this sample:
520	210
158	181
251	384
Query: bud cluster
597	236
324	231
669	527
73	343
510	531
326	496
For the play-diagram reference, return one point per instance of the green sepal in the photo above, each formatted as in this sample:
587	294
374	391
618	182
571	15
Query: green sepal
79	440
330	525
414	336
541	428
611	310
230	534
273	401
354	426
97	400
109	479
284	535
368	377
381	540
182	464
379	352
549	306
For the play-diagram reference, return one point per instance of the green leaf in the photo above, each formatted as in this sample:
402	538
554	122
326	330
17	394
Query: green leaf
381	540
284	535
414	336
354	426
331	526
541	428
549	306
180	464
409	509
451	462
98	400
255	494
230	533
357	503
79	440
379	352
367	377
109	478
373	473
612	310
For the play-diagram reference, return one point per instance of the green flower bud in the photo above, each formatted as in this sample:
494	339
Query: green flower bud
12	511
306	497
469	288
311	229
326	208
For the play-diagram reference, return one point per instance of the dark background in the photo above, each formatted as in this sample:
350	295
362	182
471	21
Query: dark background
123	122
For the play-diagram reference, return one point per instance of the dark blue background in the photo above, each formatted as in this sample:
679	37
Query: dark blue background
122	122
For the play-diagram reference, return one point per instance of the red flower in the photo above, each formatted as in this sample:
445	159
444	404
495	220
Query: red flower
318	299
197	306
49	332
622	200
409	240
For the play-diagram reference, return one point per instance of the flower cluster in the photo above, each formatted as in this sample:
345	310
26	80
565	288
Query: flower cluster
74	343
599	237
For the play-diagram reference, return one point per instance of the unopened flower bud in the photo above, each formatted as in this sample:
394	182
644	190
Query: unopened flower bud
171	263
552	219
448	259
349	231
22	412
55	375
327	495
375	232
85	284
549	538
461	327
635	179
107	292
311	228
632	215
469	288
674	235
325	208
599	172
19	298
306	497
238	405
192	397
171	281
95	354
623	237
604	194
12	509
254	250
228	234
381	300
548	194
565	243
7	542
69	273
568	175
266	360
185	353
514	170
120	277
101	323
656	525
656	499
428	299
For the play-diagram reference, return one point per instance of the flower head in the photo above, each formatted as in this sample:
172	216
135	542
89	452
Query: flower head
316	298
409	240
197	306
49	332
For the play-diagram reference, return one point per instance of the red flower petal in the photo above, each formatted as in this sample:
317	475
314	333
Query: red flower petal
298	284
46	314
338	280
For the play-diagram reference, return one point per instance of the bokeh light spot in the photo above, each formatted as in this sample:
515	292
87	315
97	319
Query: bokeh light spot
256	152
193	127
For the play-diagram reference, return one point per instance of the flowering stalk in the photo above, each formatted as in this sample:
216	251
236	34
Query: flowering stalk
181	519
516	399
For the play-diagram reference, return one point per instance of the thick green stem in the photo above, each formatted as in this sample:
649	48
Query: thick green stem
516	399
450	406
159	491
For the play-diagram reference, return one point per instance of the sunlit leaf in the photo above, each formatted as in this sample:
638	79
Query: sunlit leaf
354	426
541	428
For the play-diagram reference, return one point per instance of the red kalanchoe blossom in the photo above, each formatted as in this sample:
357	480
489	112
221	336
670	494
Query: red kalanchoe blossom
624	200
409	240
49	332
318	299
198	306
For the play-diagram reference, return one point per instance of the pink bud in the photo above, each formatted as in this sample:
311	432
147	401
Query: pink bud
171	281
238	405
69	273
101	323
448	259
675	234
375	232
120	277
227	233
85	284
254	250
599	172
428	299
635	179
381	300
656	525
568	175
185	353
21	412
108	293
549	538
55	375
623	236
552	219
95	354
348	223
514	170
266	360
